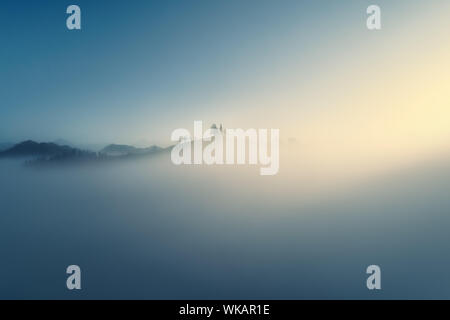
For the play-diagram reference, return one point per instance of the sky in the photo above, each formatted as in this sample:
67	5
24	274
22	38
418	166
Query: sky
138	70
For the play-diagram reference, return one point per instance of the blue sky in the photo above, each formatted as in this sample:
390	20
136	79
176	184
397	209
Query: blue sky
139	69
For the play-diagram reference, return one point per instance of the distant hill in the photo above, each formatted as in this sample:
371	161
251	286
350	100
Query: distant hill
119	150
32	148
52	153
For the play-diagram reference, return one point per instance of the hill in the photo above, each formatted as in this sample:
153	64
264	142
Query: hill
32	148
119	150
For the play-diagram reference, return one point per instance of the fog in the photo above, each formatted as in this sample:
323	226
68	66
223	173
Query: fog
147	229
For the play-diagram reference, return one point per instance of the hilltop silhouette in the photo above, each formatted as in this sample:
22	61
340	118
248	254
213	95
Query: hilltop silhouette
118	150
32	148
49	152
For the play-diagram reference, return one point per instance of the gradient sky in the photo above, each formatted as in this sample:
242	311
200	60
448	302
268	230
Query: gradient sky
139	69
